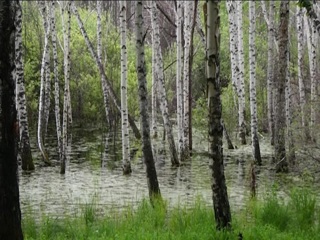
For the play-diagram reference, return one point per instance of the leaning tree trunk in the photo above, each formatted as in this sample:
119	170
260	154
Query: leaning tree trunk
280	118
219	189
24	149
10	214
110	90
241	84
124	106
302	91
253	100
99	53
42	102
179	83
161	87
153	185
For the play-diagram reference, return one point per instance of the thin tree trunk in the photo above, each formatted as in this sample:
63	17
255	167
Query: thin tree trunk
226	134
179	84
154	92
302	93
253	100
56	80
42	102
241	84
219	189
161	87
124	106
152	180
10	214
280	118
99	53
24	149
110	90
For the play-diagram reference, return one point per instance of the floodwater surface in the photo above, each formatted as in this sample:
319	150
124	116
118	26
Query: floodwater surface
94	177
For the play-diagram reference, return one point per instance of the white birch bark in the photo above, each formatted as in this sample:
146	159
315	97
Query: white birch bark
42	102
24	139
179	83
154	91
233	31
56	79
66	95
161	86
309	26
241	84
99	53
188	13
253	101
124	106
302	94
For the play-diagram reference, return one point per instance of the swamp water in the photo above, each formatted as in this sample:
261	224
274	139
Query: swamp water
95	178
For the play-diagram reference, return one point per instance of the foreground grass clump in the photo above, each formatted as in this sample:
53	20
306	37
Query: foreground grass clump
269	219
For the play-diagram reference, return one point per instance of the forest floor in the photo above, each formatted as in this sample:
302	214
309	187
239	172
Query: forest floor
296	218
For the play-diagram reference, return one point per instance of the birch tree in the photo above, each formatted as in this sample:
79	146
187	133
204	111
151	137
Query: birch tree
280	118
99	53
179	83
42	99
219	189
24	148
66	27
302	93
56	80
110	90
161	86
153	185
124	107
241	84
154	92
188	12
311	43
10	213
270	71
253	101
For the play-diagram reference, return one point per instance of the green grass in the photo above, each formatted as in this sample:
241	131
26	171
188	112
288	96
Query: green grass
297	218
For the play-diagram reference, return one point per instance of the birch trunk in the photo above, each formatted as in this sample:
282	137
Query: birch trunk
110	90
219	189
241	85
270	71
161	86
152	180
302	94
42	102
99	53
154	90
280	118
66	103
56	80
310	28
188	12
179	83
124	108
24	149
253	101
233	31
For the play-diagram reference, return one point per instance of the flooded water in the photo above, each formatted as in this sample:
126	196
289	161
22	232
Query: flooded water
93	177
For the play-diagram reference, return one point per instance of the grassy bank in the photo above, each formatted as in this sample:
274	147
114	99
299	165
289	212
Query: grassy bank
297	218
